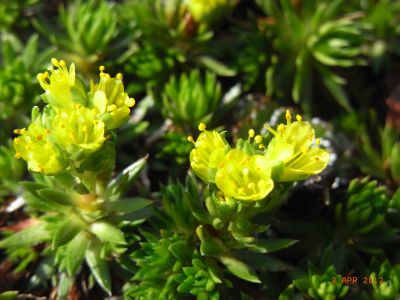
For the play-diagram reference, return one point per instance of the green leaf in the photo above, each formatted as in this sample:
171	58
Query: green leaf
27	237
210	245
9	295
98	266
331	80
216	66
108	232
64	285
119	185
75	252
127	205
239	269
56	196
181	250
32	187
67	230
271	245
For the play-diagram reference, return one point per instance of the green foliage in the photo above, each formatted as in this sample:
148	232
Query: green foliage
9	295
13	11
378	147
165	38
191	100
88	32
308	41
11	171
364	209
382	18
326	285
386	281
281	210
18	87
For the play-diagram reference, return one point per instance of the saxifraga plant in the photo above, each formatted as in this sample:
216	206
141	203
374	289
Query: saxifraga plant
76	208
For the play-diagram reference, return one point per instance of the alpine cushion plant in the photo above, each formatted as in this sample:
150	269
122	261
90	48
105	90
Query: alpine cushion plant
77	207
308	40
208	231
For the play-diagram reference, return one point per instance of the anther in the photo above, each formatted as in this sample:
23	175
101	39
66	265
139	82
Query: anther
288	116
299	118
111	107
258	139
62	63
251	133
119	76
55	62
102	68
281	127
318	141
202	127
130	102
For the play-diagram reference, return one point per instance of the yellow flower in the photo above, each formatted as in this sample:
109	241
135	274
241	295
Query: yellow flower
209	10
294	153
244	177
35	147
208	153
78	129
110	101
60	86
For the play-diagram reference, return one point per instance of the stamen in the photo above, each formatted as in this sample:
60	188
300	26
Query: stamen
19	131
202	127
251	133
288	117
318	141
190	139
55	62
111	107
273	131
281	128
119	76
299	118
130	102
258	139
102	68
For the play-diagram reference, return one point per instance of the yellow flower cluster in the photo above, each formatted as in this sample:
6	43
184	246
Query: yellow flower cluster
292	154
209	10
75	122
